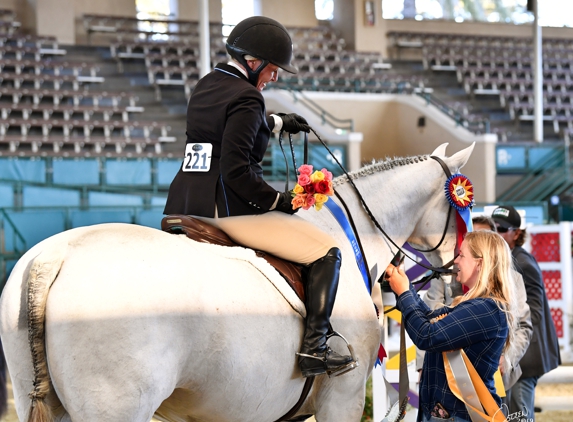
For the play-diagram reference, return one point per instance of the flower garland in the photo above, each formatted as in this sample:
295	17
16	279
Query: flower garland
312	188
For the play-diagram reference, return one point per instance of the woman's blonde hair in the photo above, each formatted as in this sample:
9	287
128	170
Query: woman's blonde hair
495	276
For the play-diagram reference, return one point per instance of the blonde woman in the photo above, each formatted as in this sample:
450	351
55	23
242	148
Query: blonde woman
480	322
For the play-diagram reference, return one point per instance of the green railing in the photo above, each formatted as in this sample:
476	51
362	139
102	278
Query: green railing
550	176
18	242
17	236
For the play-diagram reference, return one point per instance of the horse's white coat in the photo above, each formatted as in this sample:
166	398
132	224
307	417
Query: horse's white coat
137	317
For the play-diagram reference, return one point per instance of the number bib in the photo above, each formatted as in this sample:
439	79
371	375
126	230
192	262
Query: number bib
197	157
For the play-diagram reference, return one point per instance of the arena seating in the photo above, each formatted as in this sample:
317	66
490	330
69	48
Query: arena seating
172	57
48	105
502	67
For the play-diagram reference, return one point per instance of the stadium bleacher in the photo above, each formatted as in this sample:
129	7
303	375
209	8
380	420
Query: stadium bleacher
502	67
47	104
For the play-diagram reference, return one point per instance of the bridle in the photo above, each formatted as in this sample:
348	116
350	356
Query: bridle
443	270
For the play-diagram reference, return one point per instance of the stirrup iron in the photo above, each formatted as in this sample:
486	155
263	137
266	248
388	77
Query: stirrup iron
350	365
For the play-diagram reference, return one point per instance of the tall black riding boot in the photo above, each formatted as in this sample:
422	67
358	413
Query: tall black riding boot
315	356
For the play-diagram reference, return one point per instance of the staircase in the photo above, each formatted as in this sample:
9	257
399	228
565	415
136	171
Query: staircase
450	91
551	176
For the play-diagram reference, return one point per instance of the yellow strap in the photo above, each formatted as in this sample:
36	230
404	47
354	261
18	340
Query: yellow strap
499	387
494	412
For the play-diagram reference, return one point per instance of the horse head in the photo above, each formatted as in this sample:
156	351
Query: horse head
435	232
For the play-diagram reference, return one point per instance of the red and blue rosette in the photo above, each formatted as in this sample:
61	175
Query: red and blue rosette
460	194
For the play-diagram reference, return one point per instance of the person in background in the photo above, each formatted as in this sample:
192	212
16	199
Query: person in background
221	179
480	322
542	355
441	293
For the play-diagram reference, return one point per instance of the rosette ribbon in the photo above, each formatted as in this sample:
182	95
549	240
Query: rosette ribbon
460	194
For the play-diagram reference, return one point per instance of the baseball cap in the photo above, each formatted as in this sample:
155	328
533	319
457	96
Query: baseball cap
506	217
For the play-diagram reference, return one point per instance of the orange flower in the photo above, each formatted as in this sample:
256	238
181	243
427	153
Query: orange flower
299	201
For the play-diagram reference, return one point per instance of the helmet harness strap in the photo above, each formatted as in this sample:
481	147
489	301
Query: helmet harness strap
253	75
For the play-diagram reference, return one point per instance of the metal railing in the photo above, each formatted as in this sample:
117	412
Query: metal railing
325	116
478	125
471	123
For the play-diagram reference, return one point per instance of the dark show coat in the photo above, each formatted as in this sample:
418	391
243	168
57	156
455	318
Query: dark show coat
228	112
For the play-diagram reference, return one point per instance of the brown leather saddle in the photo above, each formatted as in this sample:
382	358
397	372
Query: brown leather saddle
203	232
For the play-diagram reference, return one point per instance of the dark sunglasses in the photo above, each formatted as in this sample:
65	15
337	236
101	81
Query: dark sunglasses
504	229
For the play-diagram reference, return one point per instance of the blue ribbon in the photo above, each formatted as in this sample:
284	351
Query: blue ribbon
467	217
340	216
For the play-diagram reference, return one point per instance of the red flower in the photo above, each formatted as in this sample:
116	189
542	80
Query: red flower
310	188
323	187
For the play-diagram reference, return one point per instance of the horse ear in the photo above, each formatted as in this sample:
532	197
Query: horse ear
460	158
440	151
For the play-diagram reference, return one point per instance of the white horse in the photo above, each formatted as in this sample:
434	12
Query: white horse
140	323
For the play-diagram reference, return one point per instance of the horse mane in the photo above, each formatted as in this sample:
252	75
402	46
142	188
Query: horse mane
378	166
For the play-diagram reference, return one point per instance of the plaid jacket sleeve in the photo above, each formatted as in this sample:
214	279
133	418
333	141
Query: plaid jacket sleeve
470	322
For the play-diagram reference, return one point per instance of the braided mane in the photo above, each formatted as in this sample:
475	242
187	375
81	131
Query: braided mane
379	166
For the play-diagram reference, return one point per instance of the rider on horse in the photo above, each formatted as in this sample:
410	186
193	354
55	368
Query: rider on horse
221	179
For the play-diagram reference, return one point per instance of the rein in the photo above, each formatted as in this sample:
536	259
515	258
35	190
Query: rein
443	270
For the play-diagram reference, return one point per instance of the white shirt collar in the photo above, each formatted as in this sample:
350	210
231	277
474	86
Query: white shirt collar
239	67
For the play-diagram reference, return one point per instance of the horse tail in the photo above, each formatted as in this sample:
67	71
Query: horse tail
42	275
3	391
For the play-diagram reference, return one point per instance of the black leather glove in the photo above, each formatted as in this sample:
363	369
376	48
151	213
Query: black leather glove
284	203
293	123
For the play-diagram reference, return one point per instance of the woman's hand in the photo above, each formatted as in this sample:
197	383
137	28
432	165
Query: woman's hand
398	279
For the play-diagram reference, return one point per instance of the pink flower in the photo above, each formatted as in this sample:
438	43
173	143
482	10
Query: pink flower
327	174
305	169
310	201
303	179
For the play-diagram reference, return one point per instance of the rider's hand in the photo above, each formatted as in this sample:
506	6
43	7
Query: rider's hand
398	279
284	203
293	123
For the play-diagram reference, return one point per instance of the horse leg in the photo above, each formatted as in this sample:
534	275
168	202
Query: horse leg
341	401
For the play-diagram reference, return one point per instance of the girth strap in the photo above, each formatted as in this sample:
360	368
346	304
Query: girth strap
305	390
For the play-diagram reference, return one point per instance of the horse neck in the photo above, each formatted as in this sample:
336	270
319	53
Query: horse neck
398	196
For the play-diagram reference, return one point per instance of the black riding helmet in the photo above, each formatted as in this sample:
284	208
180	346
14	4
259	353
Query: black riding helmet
263	38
